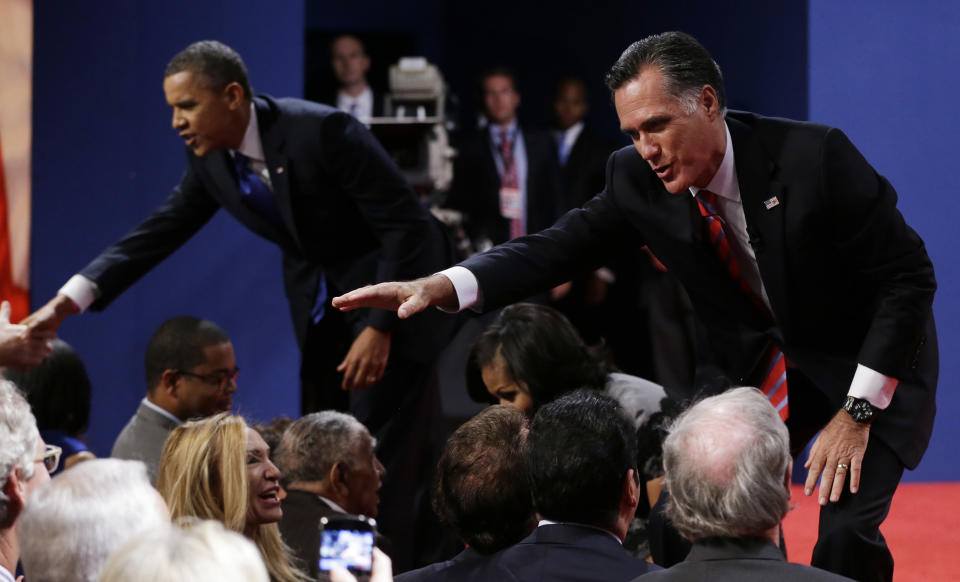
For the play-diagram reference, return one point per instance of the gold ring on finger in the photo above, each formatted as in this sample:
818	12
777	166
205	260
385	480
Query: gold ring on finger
842	466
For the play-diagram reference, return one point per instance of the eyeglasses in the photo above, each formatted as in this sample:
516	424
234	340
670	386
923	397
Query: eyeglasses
221	381
50	458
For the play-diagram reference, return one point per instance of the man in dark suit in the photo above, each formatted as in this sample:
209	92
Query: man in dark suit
586	497
727	463
314	181
350	64
191	372
833	288
480	492
328	468
504	177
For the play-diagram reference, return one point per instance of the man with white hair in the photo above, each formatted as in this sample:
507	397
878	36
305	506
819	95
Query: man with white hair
23	468
727	463
74	523
329	467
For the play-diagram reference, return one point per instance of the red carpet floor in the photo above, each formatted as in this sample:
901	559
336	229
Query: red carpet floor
922	530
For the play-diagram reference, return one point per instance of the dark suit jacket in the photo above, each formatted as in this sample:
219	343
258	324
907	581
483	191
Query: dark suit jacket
740	560
476	186
300	528
583	175
345	206
848	281
451	570
560	552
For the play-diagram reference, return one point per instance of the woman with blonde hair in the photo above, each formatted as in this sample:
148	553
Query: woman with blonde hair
218	468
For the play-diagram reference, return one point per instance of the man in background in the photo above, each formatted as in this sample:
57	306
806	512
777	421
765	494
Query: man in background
191	372
350	63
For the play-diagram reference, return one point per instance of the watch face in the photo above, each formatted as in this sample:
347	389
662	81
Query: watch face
860	410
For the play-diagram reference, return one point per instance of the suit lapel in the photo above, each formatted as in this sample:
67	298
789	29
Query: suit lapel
272	140
764	203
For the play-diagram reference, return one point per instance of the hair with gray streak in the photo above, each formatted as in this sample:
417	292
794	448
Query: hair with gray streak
201	550
73	523
18	435
312	445
685	64
726	460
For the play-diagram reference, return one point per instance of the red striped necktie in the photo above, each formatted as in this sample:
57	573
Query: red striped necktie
509	179
773	381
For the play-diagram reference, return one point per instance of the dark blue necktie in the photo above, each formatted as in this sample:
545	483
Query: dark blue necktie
259	198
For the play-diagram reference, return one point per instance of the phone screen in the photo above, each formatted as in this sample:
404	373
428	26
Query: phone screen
346	548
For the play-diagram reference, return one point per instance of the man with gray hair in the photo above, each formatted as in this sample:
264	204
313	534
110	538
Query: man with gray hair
329	467
23	468
72	525
727	462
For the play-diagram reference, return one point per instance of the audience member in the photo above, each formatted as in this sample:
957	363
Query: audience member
505	178
218	468
59	394
480	492
73	524
329	467
272	432
581	461
727	462
198	552
191	373
350	63
24	466
17	347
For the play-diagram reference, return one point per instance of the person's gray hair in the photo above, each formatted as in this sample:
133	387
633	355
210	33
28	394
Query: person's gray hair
74	522
312	445
726	459
685	64
201	550
19	434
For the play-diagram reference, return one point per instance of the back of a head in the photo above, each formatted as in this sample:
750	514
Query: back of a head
199	552
202	470
58	390
727	460
685	64
480	490
18	435
72	524
542	350
178	344
216	63
311	445
577	456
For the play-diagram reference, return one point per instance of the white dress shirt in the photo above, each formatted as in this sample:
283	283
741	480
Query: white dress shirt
867	383
360	106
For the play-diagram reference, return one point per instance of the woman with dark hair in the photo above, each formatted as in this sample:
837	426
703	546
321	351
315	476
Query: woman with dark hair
59	393
531	355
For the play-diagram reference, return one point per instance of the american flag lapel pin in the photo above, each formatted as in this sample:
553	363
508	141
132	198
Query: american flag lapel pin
280	170
770	203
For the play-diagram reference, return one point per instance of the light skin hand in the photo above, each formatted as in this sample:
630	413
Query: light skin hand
17	347
382	570
841	441
406	298
561	291
366	360
46	320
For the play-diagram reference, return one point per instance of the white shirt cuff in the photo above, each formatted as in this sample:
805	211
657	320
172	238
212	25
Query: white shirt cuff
81	290
465	284
872	386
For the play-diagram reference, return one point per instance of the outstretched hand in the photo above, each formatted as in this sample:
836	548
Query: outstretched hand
366	360
406	298
837	451
17	347
45	321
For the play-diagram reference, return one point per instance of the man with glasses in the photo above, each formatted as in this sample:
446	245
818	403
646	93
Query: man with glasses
24	465
191	373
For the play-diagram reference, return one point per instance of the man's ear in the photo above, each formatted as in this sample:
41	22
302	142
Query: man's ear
338	477
234	95
788	477
710	101
631	490
15	490
169	384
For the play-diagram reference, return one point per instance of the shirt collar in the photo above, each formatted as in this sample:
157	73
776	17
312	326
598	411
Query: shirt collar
6	575
345	99
160	411
333	505
544	522
495	132
724	182
570	135
251	146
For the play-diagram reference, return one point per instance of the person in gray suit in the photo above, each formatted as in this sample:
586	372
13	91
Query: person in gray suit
191	373
727	462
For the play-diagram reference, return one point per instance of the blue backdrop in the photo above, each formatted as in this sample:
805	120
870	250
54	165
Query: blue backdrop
104	153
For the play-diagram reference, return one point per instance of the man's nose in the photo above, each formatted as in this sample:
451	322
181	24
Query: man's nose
648	148
178	121
381	470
